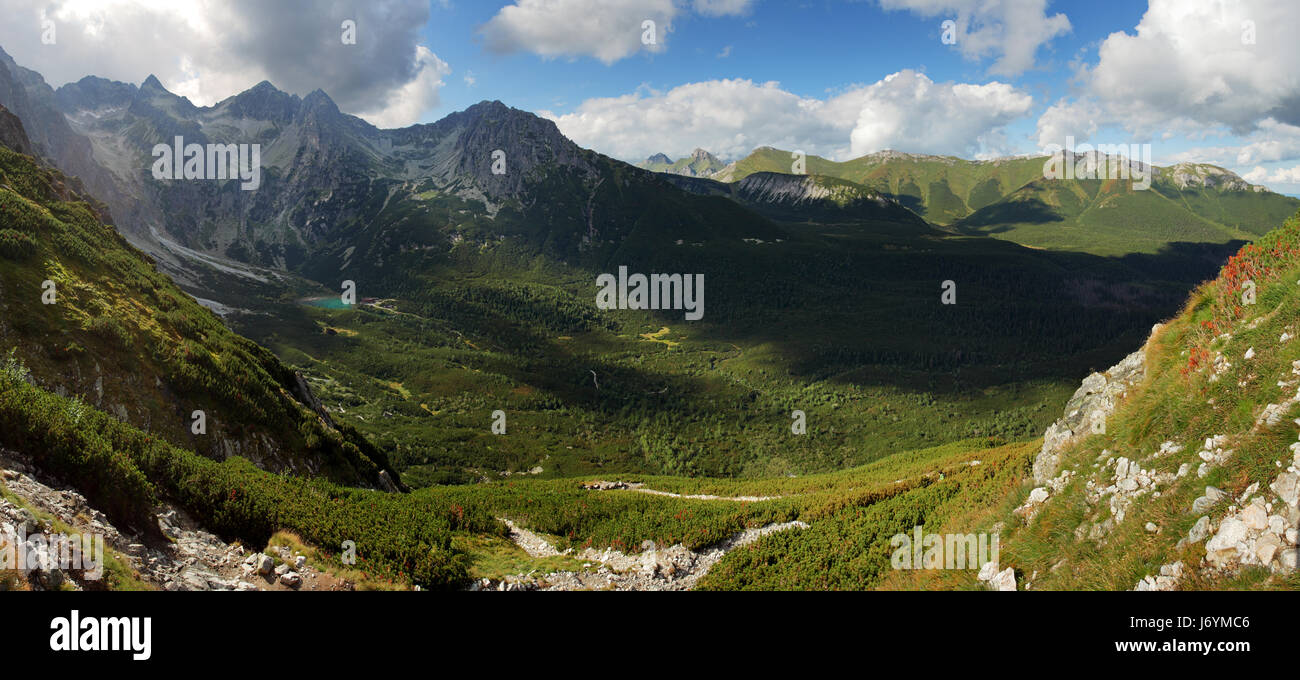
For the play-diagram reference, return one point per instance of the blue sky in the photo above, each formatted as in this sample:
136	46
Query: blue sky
811	48
1198	80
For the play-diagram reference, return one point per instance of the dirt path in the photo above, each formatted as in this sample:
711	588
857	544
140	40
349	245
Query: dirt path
534	545
639	487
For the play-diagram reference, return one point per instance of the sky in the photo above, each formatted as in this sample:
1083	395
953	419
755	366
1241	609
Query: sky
1199	80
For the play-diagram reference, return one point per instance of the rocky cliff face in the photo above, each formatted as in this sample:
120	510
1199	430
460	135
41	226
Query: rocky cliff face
802	197
12	133
797	190
498	152
25	93
1201	175
1087	410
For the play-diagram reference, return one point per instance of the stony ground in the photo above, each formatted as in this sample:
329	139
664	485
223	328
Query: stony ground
1256	529
192	559
655	568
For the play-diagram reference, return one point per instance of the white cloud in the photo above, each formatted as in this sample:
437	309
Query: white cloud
910	112
405	105
1011	30
608	30
1279	176
1271	142
905	111
1078	119
208	51
1189	66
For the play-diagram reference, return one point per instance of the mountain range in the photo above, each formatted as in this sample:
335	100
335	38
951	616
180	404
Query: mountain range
1010	198
700	163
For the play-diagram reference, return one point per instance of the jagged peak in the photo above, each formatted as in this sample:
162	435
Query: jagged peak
489	105
495	112
317	99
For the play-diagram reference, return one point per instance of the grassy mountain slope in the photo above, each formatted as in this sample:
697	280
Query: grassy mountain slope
92	317
1218	408
1009	199
941	189
1113	218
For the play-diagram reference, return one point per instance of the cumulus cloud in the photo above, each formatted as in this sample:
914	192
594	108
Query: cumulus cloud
1271	142
1078	119
608	30
906	111
1190	66
1278	179
1010	30
404	105
211	50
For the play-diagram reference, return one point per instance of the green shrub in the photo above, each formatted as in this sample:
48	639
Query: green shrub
111	331
15	245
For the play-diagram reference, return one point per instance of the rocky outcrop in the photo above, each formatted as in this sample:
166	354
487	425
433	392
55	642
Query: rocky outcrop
1263	531
771	187
1087	410
302	392
1003	581
1202	175
189	558
12	133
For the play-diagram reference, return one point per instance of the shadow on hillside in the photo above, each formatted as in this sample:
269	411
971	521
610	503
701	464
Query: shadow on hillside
1001	215
913	203
1021	314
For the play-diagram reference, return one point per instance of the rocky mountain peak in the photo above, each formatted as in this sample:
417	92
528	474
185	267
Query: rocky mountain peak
317	100
490	129
659	159
153	84
264	101
93	93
